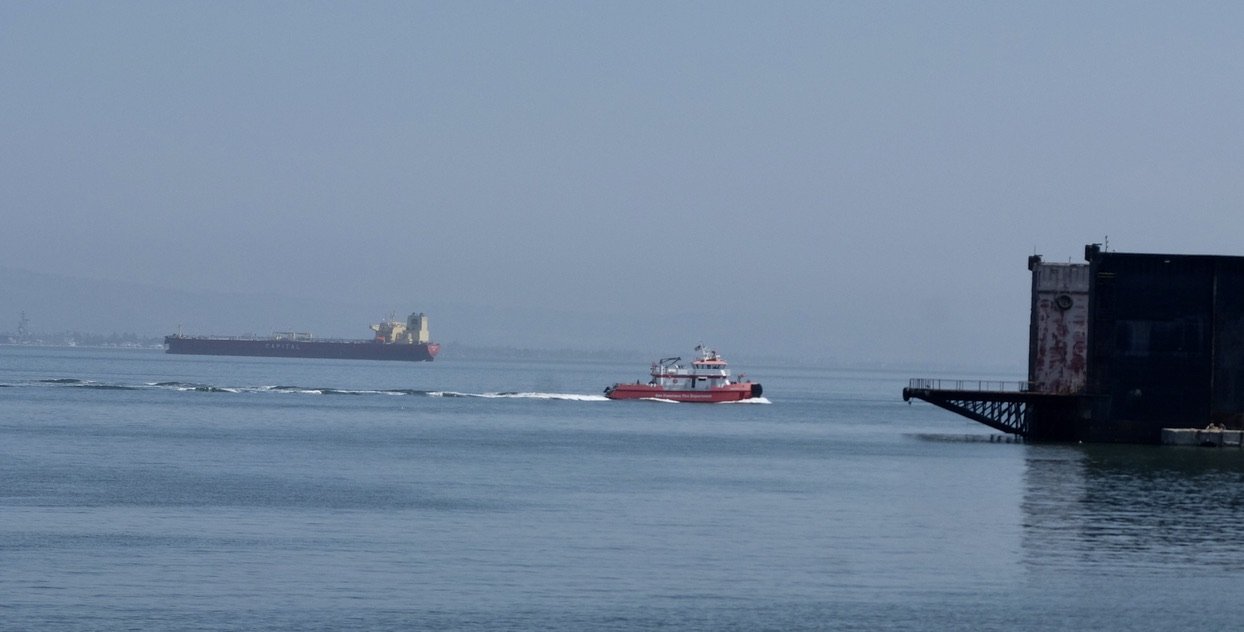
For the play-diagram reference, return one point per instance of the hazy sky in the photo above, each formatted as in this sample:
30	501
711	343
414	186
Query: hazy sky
861	179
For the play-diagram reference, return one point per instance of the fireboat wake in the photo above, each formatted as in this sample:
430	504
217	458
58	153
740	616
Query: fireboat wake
287	389
571	397
751	400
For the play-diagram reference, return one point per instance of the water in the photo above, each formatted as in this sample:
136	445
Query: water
145	491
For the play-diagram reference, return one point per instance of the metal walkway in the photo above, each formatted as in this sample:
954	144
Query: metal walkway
1004	406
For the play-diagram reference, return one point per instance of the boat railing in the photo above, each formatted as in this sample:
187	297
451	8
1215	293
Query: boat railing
982	386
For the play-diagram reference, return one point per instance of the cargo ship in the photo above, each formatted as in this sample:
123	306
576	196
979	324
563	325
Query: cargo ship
393	340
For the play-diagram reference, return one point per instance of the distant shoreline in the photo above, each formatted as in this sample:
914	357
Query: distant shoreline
454	351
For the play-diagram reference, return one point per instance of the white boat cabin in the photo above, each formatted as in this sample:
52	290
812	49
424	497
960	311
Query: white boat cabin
708	370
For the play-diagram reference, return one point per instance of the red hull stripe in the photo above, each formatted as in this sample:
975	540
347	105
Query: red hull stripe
729	394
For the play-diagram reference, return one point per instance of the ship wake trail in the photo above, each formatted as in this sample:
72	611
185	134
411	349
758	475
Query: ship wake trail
291	389
562	396
573	397
77	383
749	401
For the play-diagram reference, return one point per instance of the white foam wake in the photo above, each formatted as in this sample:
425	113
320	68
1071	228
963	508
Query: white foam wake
572	397
751	400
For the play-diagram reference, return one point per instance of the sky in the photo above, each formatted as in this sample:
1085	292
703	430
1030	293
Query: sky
859	182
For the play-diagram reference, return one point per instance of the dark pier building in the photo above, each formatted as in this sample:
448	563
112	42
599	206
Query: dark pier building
1119	348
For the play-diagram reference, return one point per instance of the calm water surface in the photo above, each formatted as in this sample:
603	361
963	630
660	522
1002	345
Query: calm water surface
146	491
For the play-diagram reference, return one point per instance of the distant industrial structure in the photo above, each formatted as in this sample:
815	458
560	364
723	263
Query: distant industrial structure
23	327
1120	347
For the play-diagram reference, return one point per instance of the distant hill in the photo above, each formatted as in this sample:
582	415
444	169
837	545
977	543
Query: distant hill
57	304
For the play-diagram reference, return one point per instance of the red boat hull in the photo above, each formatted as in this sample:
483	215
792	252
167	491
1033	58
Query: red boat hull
731	393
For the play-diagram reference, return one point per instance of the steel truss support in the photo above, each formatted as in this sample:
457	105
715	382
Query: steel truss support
1002	411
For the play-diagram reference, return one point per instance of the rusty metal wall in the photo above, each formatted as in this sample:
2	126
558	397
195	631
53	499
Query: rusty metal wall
1058	334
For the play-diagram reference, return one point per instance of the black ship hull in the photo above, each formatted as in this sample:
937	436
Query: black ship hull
278	348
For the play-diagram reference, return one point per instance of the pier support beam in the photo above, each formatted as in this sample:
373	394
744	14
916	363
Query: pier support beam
1036	416
1006	412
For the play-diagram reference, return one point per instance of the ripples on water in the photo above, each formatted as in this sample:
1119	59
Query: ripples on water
143	491
1154	510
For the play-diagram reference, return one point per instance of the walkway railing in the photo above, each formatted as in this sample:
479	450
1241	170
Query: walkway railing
982	386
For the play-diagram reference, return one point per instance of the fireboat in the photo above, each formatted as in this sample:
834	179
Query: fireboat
708	381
